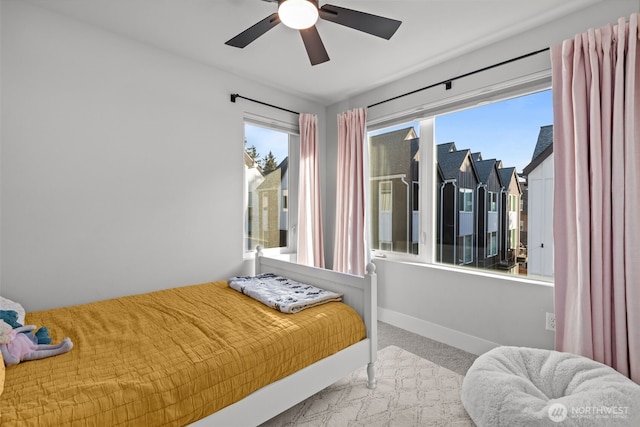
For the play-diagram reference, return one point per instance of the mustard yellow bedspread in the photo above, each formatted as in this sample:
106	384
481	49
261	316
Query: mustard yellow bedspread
167	358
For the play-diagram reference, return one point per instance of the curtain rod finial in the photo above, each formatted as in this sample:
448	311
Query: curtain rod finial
233	97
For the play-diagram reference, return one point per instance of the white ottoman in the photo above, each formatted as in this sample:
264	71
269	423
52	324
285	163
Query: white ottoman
518	386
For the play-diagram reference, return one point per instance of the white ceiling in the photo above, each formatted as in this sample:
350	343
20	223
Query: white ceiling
432	31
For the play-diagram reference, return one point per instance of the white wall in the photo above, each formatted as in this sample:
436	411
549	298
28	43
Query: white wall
474	312
540	219
121	164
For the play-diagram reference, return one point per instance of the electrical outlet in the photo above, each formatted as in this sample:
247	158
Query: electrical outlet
551	322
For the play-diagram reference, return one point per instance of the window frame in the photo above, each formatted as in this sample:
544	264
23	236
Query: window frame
292	129
425	115
493	201
466	203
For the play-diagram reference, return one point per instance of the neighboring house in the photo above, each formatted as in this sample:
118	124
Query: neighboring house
458	181
522	257
540	181
478	203
253	179
273	205
489	206
510	225
394	191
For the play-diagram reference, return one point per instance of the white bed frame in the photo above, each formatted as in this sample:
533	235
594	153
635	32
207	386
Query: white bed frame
264	404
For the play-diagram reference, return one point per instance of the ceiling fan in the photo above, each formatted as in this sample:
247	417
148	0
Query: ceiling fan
302	15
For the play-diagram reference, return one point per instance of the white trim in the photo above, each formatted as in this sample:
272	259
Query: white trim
542	281
521	84
291	127
466	342
293	154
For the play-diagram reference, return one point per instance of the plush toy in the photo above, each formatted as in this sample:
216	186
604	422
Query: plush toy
17	347
41	336
10	317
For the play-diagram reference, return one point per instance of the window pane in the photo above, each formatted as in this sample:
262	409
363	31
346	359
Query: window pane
266	164
493	244
497	160
394	164
493	201
468	249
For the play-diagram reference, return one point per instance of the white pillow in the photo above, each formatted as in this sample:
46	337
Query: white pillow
7	304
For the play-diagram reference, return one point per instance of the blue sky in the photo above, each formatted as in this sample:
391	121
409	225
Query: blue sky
505	130
266	140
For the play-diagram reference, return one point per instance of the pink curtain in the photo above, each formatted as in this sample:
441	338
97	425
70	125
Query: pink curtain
310	243
596	98
350	253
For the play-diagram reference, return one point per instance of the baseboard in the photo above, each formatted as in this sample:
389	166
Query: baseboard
466	342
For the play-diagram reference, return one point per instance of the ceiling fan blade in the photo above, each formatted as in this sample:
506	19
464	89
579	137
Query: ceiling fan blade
252	33
313	43
361	21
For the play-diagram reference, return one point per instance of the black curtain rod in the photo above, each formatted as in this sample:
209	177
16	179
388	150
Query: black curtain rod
448	83
235	96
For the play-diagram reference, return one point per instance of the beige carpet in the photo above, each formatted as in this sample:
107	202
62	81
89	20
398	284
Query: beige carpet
411	391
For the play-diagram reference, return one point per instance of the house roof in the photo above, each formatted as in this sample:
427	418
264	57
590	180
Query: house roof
283	166
543	149
403	134
545	139
506	174
484	168
447	147
250	162
391	151
450	161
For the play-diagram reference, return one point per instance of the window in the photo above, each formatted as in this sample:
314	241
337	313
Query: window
395	184
462	186
493	201
492	247
465	249
513	203
268	189
415	218
385	216
466	200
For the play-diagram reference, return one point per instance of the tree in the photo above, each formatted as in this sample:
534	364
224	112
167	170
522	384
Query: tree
253	153
269	163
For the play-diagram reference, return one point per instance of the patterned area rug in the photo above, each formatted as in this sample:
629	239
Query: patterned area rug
411	391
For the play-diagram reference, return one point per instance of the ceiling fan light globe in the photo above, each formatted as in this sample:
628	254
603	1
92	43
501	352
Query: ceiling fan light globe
298	14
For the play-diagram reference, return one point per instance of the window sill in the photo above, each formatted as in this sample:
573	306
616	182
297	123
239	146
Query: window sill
470	272
277	253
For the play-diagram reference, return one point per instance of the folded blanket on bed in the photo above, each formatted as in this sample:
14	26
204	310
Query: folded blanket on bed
285	295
